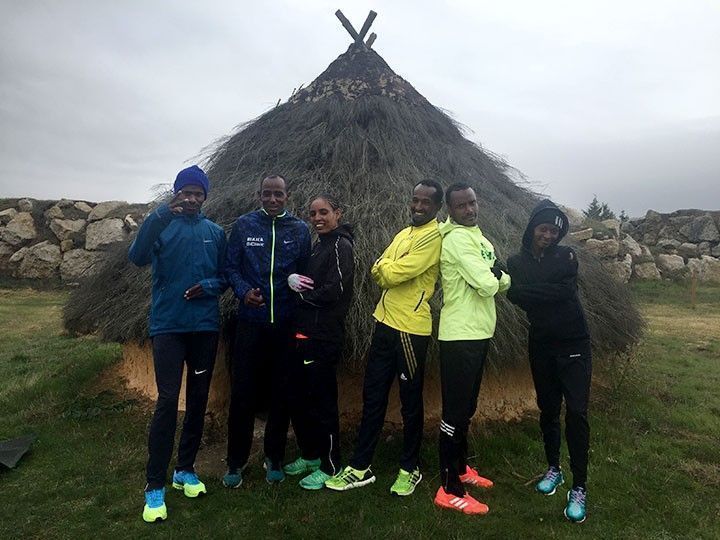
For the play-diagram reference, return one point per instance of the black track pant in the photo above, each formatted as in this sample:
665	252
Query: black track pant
314	401
170	353
392	354
259	374
557	376
461	370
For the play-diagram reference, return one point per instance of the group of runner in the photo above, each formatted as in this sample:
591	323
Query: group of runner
293	299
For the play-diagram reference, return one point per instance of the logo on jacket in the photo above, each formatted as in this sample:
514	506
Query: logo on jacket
255	241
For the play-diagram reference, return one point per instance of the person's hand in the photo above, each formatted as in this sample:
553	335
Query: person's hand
498	269
176	204
300	283
195	291
254	298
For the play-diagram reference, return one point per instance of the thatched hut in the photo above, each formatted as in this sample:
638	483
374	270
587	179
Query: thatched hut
365	133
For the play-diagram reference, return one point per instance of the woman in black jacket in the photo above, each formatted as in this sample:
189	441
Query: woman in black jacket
324	295
544	284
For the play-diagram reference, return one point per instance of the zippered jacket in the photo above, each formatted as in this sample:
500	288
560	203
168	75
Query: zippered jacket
546	288
184	251
407	271
320	313
469	287
262	252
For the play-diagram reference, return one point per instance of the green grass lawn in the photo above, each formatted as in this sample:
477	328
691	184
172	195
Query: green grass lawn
655	453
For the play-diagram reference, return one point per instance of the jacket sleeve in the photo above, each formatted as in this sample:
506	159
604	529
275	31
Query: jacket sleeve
305	249
215	286
558	291
339	278
424	254
141	250
472	267
235	252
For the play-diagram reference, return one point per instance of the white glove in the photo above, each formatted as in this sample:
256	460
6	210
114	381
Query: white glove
300	283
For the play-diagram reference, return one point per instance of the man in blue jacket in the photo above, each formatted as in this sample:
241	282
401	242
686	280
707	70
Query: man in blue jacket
187	252
265	247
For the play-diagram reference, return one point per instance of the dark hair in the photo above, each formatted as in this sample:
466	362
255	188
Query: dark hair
332	200
457	186
273	177
438	195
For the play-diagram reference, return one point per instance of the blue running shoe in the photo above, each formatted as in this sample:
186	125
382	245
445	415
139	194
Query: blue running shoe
189	483
575	509
233	478
155	509
273	473
549	483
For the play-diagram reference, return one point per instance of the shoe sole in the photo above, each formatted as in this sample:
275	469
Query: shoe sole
313	487
232	487
157	519
353	485
551	492
398	494
572	520
180	487
452	507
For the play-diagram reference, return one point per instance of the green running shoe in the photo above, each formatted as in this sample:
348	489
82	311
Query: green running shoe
315	480
350	478
189	483
549	483
155	509
405	482
301	466
575	509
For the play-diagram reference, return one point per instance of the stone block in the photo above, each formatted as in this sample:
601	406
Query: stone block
621	270
67	229
101	234
41	261
83	207
613	225
701	229
67	245
102	209
80	263
631	246
7	215
25	205
581	236
646	270
19	230
670	265
688	250
603	249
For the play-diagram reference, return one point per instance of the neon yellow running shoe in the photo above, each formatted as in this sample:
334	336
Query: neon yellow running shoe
405	482
350	478
189	483
155	509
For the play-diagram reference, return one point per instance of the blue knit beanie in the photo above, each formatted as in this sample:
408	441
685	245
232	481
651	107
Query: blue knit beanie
192	175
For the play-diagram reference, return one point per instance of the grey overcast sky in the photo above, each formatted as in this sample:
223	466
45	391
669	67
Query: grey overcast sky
103	100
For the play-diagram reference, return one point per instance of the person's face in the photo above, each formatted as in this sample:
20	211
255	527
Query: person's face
545	235
463	208
273	196
322	216
191	198
423	207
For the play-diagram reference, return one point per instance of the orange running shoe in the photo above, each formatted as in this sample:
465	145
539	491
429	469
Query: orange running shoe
472	478
466	504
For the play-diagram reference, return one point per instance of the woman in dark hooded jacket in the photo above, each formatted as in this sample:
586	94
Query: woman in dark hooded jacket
544	284
324	295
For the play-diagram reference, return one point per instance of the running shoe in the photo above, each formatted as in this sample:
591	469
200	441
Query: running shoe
233	478
405	482
273	473
472	478
315	480
575	509
301	466
189	483
466	504
549	483
350	478
155	509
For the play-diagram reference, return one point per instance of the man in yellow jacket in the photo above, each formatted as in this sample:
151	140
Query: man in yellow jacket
470	280
406	272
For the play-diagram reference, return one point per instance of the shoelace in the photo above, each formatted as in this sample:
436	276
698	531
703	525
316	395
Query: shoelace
155	498
552	475
577	496
190	478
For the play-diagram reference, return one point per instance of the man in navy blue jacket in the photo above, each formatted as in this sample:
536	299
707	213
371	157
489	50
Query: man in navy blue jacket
187	252
265	247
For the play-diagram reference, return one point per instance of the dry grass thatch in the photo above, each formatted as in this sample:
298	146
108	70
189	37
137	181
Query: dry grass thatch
365	134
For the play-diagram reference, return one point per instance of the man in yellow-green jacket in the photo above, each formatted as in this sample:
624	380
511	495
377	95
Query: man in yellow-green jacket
470	280
406	272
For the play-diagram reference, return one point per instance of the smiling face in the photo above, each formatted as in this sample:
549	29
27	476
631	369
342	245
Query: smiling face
323	217
463	207
273	195
424	205
544	235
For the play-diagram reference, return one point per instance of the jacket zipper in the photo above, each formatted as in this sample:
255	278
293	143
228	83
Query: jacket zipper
420	301
272	269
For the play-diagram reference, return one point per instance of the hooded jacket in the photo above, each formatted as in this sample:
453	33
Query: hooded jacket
320	313
469	287
262	252
407	271
184	251
546	287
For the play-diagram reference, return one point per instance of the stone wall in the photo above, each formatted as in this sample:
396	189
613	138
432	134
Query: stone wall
61	239
658	246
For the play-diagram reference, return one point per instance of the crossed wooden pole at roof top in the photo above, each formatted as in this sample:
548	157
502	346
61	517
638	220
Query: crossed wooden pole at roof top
359	37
